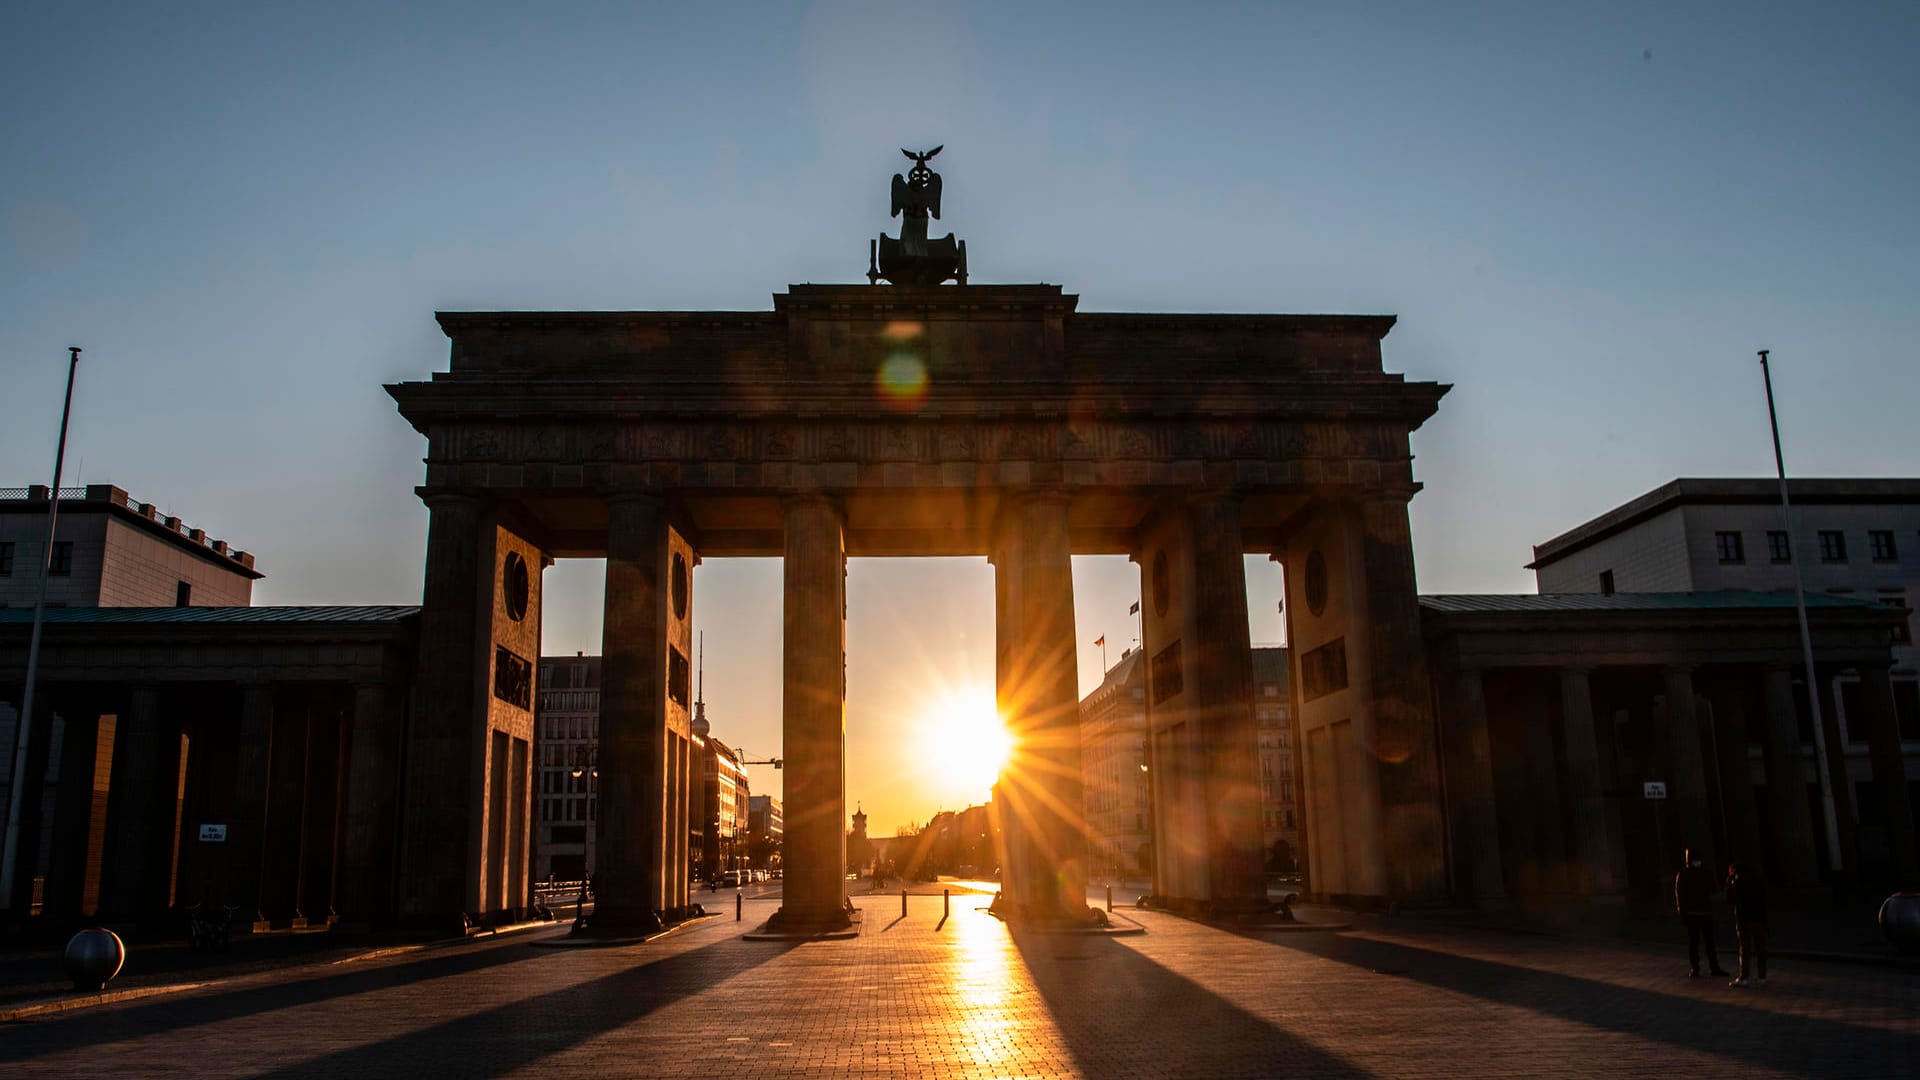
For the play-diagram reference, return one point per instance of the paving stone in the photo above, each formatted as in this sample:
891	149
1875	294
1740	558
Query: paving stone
912	997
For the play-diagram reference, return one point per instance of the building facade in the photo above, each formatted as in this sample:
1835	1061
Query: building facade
724	793
566	746
1117	781
112	551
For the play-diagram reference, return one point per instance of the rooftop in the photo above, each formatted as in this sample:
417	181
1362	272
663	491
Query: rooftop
95	616
1724	491
105	497
1725	600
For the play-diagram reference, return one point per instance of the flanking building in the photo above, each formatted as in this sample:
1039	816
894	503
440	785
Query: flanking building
110	550
566	740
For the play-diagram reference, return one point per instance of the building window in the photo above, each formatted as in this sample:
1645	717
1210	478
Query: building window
1606	582
61	565
1833	546
182	594
6	559
1729	547
1881	541
1779	548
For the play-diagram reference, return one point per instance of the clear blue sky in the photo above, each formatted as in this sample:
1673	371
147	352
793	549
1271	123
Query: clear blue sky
1586	221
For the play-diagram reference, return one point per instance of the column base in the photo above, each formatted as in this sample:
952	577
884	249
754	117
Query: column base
1047	916
612	922
785	925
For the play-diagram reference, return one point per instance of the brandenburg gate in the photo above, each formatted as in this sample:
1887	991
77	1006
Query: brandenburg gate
918	417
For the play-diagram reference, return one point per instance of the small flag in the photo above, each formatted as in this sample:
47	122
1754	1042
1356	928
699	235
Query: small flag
1101	640
1135	609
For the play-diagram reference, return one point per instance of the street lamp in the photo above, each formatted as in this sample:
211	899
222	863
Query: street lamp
590	768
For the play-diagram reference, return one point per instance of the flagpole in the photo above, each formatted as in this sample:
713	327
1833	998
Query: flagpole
10	846
1835	859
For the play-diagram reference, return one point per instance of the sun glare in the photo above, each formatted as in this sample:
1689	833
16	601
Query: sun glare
966	742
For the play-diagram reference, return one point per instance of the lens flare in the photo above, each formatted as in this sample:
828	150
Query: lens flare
902	381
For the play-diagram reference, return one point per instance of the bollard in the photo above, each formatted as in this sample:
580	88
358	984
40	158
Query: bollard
903	903
1109	896
737	905
946	904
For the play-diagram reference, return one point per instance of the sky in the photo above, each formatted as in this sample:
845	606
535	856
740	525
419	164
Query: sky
1586	220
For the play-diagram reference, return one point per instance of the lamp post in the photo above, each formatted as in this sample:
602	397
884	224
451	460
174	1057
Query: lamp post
10	845
590	769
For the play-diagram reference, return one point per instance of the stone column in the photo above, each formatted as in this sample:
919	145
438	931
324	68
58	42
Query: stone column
1688	784
1592	861
137	874
246	840
1846	819
629	841
1046	834
1889	767
1728	707
366	879
449	671
1402	705
1223	665
1542	784
1476	826
1795	856
814	716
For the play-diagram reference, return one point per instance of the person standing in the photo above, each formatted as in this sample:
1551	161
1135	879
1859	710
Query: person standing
1693	897
1747	895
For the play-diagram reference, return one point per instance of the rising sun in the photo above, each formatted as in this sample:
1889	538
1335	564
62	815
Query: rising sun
965	742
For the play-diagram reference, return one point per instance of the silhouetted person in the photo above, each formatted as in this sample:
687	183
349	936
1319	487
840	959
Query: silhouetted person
1747	895
1693	897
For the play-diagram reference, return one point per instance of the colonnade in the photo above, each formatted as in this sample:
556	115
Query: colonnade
1547	791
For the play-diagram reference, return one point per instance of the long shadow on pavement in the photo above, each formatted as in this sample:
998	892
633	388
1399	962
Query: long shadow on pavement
99	1027
512	1036
1801	1045
1121	1014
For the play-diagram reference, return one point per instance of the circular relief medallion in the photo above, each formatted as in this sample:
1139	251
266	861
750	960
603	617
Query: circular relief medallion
678	585
1162	584
515	587
1316	583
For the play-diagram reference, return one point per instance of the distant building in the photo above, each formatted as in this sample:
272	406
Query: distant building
566	735
764	817
1113	756
111	551
724	800
1273	715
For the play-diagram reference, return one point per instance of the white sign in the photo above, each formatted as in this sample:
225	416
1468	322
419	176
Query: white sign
1655	789
213	834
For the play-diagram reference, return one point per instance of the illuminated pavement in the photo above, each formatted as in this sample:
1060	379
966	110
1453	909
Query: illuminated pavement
911	998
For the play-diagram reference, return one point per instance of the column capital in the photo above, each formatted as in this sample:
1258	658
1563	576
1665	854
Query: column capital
800	500
451	499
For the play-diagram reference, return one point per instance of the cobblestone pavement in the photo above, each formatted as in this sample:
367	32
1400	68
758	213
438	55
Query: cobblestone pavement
912	997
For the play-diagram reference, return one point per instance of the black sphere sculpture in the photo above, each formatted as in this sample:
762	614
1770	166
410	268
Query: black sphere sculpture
94	957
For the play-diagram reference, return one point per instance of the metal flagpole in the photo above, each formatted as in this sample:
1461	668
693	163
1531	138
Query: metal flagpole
16	799
1834	859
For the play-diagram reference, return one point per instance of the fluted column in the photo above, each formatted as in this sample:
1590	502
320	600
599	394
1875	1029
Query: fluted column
1889	767
1039	690
1592	860
1795	857
813	716
1223	665
629	848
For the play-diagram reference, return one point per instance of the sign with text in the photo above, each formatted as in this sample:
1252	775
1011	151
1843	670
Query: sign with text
213	834
1655	789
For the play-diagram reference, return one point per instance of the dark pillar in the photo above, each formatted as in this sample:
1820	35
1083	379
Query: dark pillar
1687	764
629	851
1223	703
373	756
814	715
143	811
1889	767
321	817
1543	780
1846	818
286	808
1402	703
1795	861
246	840
1476	832
1592	859
1728	708
440	757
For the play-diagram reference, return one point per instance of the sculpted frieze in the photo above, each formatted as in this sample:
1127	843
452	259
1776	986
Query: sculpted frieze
925	442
